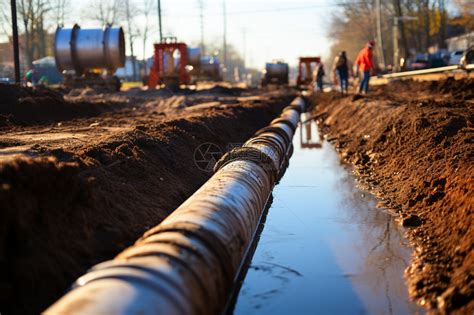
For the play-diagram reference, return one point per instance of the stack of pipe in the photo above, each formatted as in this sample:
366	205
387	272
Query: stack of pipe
189	262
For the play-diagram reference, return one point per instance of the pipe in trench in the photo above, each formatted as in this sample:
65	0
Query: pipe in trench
189	262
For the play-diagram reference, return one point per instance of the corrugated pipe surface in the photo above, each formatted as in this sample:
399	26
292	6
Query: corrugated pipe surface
188	263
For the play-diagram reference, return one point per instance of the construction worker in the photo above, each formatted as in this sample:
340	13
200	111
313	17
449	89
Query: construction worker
30	77
318	75
365	63
341	68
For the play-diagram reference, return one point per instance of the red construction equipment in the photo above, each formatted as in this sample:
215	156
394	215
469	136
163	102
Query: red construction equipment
169	64
306	77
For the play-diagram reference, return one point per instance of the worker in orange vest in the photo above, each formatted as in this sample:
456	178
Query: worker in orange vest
365	63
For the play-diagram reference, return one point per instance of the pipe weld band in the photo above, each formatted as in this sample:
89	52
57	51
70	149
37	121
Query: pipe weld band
284	121
293	107
249	154
276	130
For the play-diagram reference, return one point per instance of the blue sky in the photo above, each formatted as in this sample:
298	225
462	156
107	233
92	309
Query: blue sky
274	29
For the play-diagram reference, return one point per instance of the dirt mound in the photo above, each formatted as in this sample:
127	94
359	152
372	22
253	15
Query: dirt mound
26	106
77	205
460	89
416	153
398	86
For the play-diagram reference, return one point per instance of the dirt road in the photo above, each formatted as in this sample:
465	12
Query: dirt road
82	177
412	144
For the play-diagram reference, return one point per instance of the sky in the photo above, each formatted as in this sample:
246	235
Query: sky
261	30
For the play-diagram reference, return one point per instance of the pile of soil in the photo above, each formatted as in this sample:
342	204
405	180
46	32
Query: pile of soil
76	203
460	89
26	106
412	144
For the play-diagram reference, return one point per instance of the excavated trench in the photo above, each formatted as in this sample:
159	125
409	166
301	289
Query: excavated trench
77	190
321	241
325	247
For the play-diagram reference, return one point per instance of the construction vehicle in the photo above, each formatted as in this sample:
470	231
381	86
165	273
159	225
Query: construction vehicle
276	72
305	70
209	69
170	63
467	58
175	64
203	68
90	57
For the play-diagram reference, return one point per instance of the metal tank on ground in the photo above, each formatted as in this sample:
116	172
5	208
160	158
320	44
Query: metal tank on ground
276	72
90	57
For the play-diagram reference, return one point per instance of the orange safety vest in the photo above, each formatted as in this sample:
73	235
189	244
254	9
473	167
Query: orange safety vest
364	59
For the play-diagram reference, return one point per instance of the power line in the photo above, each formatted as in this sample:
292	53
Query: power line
224	48
159	21
274	10
201	16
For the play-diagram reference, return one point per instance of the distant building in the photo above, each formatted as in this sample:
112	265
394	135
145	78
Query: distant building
126	73
6	61
461	42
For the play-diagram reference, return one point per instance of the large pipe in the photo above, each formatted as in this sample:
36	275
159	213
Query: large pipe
82	49
189	262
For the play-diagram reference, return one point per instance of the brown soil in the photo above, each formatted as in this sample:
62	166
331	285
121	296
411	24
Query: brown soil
26	106
412	144
74	192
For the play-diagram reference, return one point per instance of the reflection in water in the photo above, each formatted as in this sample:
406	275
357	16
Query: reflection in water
308	135
325	248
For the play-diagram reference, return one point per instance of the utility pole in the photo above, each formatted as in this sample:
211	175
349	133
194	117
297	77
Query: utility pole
159	21
201	15
396	49
396	52
379	33
130	38
244	54
16	50
224	48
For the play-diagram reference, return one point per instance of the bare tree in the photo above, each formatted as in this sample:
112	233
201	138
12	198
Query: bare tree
5	21
131	12
104	11
32	14
148	7
465	18
59	10
354	24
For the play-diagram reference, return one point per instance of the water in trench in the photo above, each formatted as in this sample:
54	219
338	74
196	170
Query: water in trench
325	247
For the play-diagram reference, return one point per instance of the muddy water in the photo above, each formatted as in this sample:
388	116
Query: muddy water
325	247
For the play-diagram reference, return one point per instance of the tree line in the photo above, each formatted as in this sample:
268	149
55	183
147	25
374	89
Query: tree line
421	24
37	20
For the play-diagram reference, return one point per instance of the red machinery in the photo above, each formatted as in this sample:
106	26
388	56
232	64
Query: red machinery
306	77
169	64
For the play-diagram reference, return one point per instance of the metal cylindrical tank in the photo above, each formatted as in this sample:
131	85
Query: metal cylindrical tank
81	49
277	70
276	73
